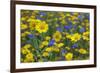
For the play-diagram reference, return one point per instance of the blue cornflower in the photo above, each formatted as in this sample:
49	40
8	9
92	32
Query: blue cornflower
30	36
59	29
38	17
63	51
42	13
67	27
69	22
74	45
88	17
51	42
82	30
80	17
75	26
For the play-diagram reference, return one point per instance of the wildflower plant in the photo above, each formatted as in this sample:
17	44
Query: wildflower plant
54	36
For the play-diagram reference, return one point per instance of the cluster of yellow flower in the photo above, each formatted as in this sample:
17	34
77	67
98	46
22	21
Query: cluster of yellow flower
54	36
29	57
34	24
75	37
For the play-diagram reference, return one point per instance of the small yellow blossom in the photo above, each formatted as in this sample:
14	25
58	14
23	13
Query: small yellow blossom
60	45
33	23
82	51
29	57
24	34
67	48
48	38
23	18
63	22
27	46
27	32
69	19
24	51
76	50
76	13
68	35
75	37
68	14
48	49
73	17
86	36
45	43
57	36
69	56
45	54
42	27
86	20
57	25
33	49
74	22
24	26
41	46
56	49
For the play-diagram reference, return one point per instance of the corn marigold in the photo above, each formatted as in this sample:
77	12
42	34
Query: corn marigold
57	36
69	56
42	27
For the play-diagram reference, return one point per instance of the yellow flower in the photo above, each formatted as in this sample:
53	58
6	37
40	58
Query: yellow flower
76	13
68	14
57	36
23	18
33	23
82	51
24	26
27	46
87	25
86	36
67	48
86	20
76	50
33	49
41	46
69	56
45	54
29	57
48	38
68	36
45	43
48	49
60	45
69	19
63	22
55	49
32	26
73	17
74	22
25	33
24	51
42	27
75	37
57	25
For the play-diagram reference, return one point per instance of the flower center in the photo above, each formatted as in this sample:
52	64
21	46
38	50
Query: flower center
33	25
42	27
